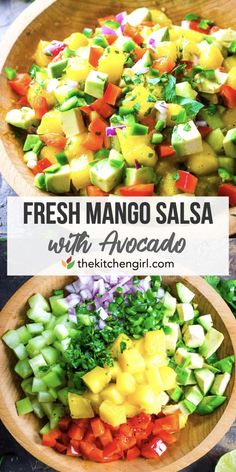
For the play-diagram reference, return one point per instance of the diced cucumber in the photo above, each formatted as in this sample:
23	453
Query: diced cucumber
58	411
51	324
194	336
169	303
63	395
176	393
186	407
52	379
26	386
20	351
49	336
35	345
209	404
38	315
37	362
62	345
194	395
205	321
11	338
205	379
220	383
225	365
38	301
37	408
23	368
184	293
47	408
24	334
45	397
24	406
61	332
212	342
59	305
50	355
53	393
45	429
35	328
38	385
185	312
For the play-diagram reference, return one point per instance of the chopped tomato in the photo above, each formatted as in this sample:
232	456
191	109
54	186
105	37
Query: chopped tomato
41	166
86	109
98	427
228	190
102	108
133	453
166	150
75	432
94	191
112	93
23	101
204	130
40	106
93	142
98	126
20	85
94	55
186	182
188	64
194	25
167	423
54	48
214	29
54	139
133	33
139	190
149	120
229	95
164	64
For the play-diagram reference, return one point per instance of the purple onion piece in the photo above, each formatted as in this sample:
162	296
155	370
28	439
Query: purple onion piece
101	324
107	30
102	313
161	106
137	165
160	293
111	130
121	16
201	123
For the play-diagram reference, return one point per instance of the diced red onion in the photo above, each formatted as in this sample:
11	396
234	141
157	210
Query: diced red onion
111	130
72	315
144	284
101	324
139	68
201	123
152	42
121	16
137	164
102	313
185	24
161	106
73	299
160	293
107	30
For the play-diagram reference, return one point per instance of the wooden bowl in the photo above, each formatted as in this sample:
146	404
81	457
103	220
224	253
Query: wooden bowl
47	19
201	433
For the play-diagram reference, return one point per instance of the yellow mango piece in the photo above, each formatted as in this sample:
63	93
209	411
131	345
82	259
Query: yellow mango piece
79	406
229	62
189	49
115	348
112	393
74	147
156	361
49	152
182	420
39	56
51	123
139	344
168	377
160	18
125	383
155	342
232	77
172	110
154	379
111	413
114	370
95	399
131	361
167	49
146	398
140	377
204	162
35	90
136	147
165	165
167	187
97	379
210	57
139	96
78	69
176	32
112	63
80	170
130	409
76	40
229	118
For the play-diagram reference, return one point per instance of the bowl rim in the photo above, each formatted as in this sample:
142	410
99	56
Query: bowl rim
50	457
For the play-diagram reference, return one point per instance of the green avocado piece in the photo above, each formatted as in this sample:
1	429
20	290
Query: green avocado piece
209	404
226	364
58	182
227	163
105	175
22	118
186	139
215	140
194	394
212	342
95	83
213	120
56	69
144	175
184	89
230	143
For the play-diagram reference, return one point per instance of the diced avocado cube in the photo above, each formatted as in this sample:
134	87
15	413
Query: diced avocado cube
181	355
115	157
144	175
209	404
24	406
31	141
184	293
195	361
22	118
205	321
194	395
194	336
95	84
205	379
176	393
162	34
212	342
229	143
72	122
63	92
186	139
225	365
106	175
185	311
59	182
184	376
213	121
225	36
210	85
186	407
169	304
191	360
39	181
227	163
220	383
138	16
215	139
184	89
56	69
171	338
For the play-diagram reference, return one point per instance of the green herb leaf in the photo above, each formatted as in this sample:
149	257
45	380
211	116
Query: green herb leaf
232	47
191	16
192	107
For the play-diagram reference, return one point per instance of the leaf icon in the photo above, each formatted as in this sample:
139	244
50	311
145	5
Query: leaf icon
63	263
70	265
69	260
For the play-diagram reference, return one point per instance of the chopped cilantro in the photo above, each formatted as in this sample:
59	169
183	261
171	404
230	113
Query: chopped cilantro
10	73
232	47
122	346
224	174
169	82
192	107
204	24
180	118
191	16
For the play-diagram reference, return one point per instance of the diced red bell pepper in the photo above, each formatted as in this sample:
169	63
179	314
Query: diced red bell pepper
229	95
125	442
98	126
106	438
133	33
204	130
86	109
139	190
194	25
23	101
41	166
60	447
89	437
112	93
94	191
83	423
64	423
114	457
154	448
168	423
94	55
54	139
102	108
126	429
187	182
20	84
214	29
98	427
50	438
54	48
40	106
72	451
164	64
141	421
149	120
165	150
112	448
75	432
133	453
86	448
93	142
189	65
167	437
138	53
228	190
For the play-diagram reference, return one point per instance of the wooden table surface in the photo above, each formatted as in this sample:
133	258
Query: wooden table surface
16	458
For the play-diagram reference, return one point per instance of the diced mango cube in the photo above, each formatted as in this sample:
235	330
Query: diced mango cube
112	393
160	18
173	110
112	63
41	59
232	77
117	347
51	123
80	407
168	377
154	379
95	400
125	383
133	146
130	409
78	69
182	420
111	413
167	49
49	152
156	361
211	57
80	170
131	361
74	147
114	370
97	379
146	398
76	40
141	377
155	342
139	344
